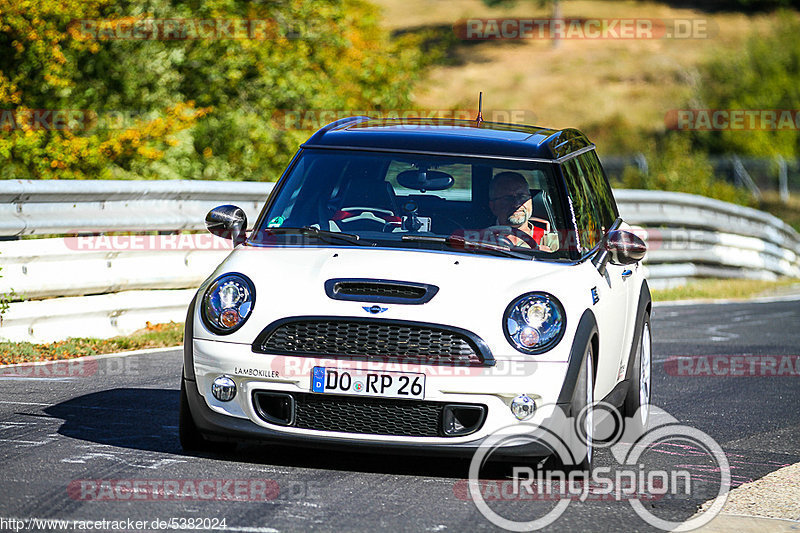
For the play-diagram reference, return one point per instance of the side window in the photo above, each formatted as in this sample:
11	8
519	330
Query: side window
584	206
600	189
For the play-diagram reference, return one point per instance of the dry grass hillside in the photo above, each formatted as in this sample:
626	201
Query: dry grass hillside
582	83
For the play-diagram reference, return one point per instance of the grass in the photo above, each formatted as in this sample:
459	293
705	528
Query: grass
582	83
152	336
713	289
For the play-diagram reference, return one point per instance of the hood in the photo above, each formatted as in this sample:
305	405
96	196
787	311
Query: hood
474	290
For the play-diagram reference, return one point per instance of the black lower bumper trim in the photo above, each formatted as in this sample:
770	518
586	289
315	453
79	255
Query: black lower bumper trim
222	427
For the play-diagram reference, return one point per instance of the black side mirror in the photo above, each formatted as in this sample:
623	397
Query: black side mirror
228	222
624	248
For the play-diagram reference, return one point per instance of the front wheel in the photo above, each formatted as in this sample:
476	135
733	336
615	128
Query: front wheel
637	401
582	414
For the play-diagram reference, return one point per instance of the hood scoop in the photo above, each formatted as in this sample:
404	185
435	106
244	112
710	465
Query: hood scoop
380	291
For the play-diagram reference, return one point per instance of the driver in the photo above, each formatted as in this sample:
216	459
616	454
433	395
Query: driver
510	201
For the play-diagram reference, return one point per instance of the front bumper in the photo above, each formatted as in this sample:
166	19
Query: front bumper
493	387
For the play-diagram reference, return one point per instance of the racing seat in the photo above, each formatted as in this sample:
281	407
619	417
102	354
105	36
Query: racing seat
541	215
367	205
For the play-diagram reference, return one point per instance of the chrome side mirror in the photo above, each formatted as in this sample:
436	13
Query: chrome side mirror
228	222
624	247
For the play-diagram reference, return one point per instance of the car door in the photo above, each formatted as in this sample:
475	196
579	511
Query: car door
595	213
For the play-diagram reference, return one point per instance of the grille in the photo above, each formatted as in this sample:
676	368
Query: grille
380	289
374	416
382	340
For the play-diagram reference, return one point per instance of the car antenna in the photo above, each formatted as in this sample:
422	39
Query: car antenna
479	118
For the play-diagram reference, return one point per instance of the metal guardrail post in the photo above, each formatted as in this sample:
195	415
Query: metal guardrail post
744	178
783	179
641	162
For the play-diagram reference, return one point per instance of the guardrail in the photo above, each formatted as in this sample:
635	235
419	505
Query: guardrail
101	286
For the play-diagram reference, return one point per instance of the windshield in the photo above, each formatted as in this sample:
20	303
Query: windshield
415	201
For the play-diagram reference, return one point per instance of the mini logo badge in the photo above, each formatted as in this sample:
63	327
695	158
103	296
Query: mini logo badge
375	309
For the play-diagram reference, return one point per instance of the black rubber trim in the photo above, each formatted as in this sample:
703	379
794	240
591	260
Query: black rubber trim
188	337
218	427
269	418
481	348
645	302
332	290
617	395
471	406
587	326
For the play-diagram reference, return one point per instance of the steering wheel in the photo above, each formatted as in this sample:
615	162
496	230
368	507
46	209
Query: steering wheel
384	218
503	231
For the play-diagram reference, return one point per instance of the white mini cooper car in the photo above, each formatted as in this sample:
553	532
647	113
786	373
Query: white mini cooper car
416	285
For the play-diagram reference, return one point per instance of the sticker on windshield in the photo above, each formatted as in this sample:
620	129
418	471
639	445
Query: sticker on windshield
276	222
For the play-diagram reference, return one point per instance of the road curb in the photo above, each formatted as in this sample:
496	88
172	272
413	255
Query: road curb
725	523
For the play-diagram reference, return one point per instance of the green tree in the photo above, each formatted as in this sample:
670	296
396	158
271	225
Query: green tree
191	108
765	75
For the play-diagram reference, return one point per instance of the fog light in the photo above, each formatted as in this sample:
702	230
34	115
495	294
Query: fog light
523	407
223	389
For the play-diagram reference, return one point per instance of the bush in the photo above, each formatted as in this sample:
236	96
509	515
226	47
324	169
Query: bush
765	75
674	166
190	108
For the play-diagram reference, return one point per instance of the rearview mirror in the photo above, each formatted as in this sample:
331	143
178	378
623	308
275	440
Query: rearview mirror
425	180
228	222
624	247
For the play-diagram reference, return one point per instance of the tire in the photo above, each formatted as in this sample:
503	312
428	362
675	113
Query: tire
582	414
637	401
190	437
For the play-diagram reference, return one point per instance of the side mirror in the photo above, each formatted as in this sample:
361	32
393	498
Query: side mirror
624	248
228	222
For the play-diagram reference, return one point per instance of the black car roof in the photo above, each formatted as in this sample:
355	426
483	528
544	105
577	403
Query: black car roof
467	137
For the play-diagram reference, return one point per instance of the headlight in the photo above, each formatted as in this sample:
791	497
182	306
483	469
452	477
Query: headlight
227	303
534	322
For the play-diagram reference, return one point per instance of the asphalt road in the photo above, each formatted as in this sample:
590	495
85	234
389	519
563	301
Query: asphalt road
115	421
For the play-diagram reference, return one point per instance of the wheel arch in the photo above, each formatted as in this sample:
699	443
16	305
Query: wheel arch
586	333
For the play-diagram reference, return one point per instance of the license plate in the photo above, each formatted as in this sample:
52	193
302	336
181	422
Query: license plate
365	383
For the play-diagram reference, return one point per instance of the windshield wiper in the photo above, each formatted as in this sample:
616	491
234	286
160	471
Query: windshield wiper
461	243
325	235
